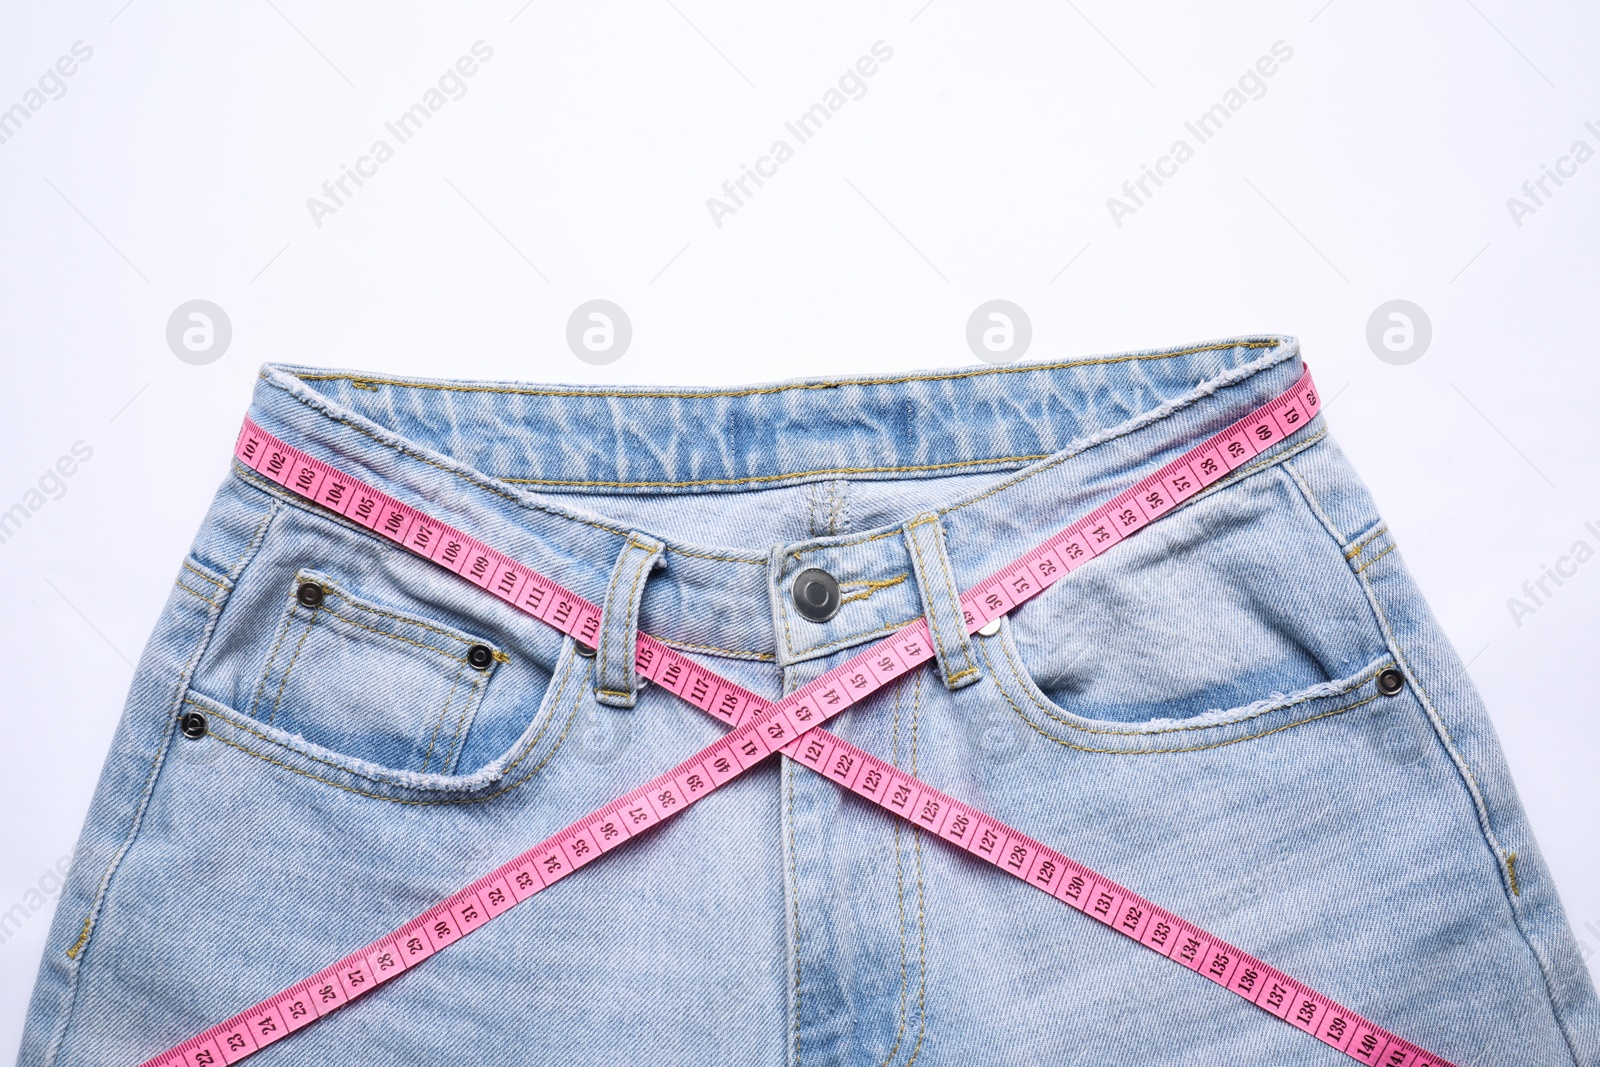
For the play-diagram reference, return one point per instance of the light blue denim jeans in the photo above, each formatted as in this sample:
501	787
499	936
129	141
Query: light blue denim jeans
1196	715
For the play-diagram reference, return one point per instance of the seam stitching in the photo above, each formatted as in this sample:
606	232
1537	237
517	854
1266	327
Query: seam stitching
712	555
794	903
1164	751
298	648
757	478
137	821
607	619
1019	674
963	644
922	579
272	657
255	541
916	843
198	596
947	659
359	604
871	588
1061	458
766	390
1481	806
398	800
1316	505
406	449
1227	482
848	542
1197	748
887	628
557	694
790	655
403	448
401	800
268	486
434	738
1355	547
900	882
391	636
469	707
202	574
1374	559
875	583
740	652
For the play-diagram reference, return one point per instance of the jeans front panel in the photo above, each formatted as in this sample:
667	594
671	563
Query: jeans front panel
1289	807
260	855
1196	715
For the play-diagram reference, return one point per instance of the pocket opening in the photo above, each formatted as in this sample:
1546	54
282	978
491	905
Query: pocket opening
1226	604
370	680
1265	715
540	737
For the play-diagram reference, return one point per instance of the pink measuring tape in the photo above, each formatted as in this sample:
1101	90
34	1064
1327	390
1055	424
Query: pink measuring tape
791	726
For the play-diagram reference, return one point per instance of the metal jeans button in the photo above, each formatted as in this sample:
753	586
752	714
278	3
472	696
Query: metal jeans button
816	594
1390	681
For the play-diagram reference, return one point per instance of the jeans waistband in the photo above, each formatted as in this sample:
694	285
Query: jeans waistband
560	476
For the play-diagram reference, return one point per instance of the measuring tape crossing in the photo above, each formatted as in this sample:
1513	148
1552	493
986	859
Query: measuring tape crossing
792	726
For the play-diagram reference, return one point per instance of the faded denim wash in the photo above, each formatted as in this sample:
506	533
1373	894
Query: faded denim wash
1207	691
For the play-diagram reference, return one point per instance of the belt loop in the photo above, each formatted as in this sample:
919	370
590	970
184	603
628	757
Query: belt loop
615	681
941	599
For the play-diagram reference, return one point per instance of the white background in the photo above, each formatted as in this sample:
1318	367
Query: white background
978	164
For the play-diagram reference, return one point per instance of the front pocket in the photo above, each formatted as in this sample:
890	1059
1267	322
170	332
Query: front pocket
1271	714
370	681
1235	598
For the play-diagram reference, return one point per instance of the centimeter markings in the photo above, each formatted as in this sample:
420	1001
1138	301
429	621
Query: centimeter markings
790	726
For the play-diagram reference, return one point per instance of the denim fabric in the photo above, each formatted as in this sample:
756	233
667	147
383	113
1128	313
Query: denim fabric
1196	715
616	681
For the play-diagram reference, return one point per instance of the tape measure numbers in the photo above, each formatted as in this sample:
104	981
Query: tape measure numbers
792	725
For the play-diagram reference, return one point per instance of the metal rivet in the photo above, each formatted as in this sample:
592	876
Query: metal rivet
990	628
586	651
310	594
479	657
816	594
193	725
1390	681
